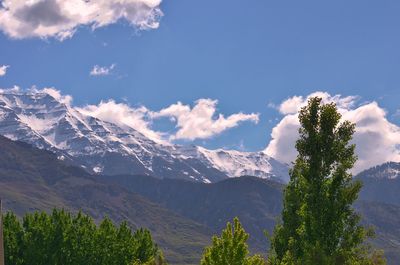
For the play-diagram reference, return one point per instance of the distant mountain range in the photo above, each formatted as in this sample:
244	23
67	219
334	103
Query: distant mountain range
181	214
101	147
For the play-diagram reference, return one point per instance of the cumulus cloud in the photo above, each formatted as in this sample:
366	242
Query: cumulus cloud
201	122
3	70
14	89
60	19
56	94
294	104
101	70
192	123
122	114
377	139
197	122
66	99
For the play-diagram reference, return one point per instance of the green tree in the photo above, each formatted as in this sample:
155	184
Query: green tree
13	236
231	248
61	238
319	225
145	250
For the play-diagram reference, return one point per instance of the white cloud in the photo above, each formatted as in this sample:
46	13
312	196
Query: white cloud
283	139
377	140
3	70
192	123
101	70
200	122
14	89
60	18
291	105
294	104
124	115
66	99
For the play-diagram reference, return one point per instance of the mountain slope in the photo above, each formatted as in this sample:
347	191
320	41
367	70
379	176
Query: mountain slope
181	214
384	218
33	179
381	183
51	123
255	201
258	204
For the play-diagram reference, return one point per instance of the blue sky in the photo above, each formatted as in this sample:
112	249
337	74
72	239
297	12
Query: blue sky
248	55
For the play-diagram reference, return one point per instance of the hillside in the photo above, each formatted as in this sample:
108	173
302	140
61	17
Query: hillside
32	179
181	214
256	202
381	183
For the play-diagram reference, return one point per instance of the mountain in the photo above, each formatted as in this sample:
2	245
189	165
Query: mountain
33	179
258	204
381	183
49	122
389	170
181	214
384	218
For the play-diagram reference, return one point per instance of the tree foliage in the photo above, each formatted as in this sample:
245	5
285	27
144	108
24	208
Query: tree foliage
319	225
61	238
231	248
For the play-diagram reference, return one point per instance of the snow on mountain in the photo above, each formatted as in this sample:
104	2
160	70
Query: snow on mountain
389	170
236	163
47	122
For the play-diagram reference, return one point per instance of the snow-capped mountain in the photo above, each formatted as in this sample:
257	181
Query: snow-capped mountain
381	183
389	170
236	163
48	122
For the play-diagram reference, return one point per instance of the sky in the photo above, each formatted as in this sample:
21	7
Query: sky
221	74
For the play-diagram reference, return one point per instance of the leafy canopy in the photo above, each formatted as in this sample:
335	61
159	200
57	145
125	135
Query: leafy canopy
231	248
61	238
319	225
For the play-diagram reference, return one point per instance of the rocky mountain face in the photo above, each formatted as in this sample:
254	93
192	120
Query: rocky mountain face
100	147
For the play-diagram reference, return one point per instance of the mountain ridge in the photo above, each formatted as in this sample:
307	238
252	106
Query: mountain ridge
381	183
38	118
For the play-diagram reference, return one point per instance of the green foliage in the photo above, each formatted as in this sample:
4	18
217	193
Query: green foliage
231	248
319	225
64	239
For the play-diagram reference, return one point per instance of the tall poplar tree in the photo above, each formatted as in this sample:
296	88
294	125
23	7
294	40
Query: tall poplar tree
319	225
